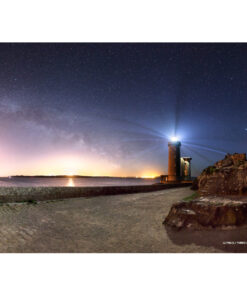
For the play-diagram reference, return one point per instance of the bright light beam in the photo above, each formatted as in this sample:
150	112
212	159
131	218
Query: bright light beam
174	139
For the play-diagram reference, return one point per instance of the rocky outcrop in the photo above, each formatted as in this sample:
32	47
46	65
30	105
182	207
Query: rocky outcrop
207	212
194	185
222	201
225	177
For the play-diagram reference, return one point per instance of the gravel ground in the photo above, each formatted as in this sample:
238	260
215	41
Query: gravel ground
119	223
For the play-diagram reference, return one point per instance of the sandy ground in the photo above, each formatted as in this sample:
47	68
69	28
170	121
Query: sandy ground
120	223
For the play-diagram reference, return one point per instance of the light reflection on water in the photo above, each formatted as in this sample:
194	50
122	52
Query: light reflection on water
70	182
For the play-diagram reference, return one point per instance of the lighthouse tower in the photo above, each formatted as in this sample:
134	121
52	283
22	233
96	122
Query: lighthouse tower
174	161
179	168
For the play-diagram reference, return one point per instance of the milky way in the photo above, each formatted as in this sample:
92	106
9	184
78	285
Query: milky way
109	109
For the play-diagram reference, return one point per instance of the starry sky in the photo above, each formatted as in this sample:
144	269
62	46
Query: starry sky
109	109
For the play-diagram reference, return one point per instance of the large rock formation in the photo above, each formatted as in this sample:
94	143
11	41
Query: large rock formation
225	177
207	212
222	197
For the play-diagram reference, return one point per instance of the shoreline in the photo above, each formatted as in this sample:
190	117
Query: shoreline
25	194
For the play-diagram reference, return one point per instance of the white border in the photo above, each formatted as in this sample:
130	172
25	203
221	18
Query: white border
123	21
122	274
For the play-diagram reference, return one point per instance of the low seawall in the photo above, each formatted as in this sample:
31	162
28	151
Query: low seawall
23	194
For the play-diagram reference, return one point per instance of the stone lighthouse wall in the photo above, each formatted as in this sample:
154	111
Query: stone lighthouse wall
174	161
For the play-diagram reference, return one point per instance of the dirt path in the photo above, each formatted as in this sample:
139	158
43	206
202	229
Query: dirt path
120	223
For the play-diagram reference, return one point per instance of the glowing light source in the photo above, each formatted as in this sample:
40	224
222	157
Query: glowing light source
149	177
174	139
70	174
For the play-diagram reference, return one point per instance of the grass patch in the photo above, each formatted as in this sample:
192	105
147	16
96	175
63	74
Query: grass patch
191	197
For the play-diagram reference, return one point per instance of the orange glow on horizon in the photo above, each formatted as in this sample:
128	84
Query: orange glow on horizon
70	174
69	164
149	176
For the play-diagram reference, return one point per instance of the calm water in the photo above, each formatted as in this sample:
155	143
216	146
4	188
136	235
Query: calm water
27	182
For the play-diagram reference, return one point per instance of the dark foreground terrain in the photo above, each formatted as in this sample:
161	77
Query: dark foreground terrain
119	223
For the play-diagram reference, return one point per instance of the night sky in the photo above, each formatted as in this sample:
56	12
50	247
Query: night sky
109	109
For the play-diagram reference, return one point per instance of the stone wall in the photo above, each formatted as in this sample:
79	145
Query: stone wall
23	194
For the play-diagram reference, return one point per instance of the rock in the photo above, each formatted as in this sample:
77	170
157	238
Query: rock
226	177
222	201
209	212
194	185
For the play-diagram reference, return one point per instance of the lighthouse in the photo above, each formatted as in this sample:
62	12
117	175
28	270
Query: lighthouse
174	161
179	168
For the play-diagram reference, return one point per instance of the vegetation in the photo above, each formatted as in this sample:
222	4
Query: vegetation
191	197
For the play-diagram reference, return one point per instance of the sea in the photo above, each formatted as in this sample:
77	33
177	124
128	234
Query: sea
74	181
